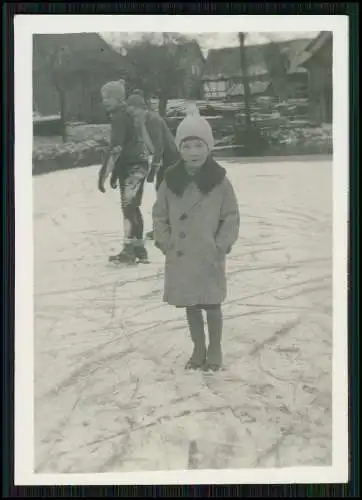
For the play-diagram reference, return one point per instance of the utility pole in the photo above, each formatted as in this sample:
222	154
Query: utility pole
163	97
245	80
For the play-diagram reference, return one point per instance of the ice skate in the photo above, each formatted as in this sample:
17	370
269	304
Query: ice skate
140	253
126	256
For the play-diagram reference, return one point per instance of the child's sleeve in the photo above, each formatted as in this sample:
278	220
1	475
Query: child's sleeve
229	227
157	139
117	140
160	216
119	124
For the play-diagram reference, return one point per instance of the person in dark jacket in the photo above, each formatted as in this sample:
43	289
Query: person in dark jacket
127	163
165	152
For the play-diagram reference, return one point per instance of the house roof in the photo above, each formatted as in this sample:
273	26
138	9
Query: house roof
91	46
319	41
225	62
301	59
323	38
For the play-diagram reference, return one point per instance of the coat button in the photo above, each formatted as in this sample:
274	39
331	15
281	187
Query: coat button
179	253
183	217
182	234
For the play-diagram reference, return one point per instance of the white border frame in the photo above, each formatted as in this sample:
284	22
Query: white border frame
24	27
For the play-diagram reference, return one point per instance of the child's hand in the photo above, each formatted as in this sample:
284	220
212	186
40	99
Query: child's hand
116	150
157	245
101	187
154	169
101	180
151	175
114	182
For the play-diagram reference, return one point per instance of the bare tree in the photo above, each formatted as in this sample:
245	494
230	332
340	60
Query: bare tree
153	64
58	61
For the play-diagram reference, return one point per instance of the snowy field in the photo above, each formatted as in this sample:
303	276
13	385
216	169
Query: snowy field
111	394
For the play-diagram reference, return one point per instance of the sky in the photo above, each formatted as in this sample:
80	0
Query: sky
217	40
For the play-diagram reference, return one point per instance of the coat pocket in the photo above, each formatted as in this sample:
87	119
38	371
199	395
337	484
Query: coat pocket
219	253
170	245
165	246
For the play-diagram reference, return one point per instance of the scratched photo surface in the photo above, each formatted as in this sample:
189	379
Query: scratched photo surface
111	391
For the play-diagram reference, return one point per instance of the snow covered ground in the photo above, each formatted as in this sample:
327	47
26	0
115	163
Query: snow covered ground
111	393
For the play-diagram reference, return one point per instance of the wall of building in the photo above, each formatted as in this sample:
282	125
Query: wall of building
83	100
193	64
321	85
218	89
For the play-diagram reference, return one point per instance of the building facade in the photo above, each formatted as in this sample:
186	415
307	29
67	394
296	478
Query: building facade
222	74
318	61
87	63
192	62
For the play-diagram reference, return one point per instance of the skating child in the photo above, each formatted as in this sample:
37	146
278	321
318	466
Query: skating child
165	152
196	223
127	163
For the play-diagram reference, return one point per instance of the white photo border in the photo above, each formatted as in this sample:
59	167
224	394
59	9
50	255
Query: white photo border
24	27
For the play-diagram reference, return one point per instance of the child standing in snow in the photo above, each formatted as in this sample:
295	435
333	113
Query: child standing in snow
196	223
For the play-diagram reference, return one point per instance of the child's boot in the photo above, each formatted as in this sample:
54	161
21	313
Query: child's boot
127	255
214	352
214	357
140	252
196	325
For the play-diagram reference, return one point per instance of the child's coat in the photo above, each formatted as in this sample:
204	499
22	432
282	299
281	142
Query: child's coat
195	225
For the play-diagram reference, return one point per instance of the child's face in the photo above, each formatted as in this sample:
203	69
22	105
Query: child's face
194	152
139	112
110	102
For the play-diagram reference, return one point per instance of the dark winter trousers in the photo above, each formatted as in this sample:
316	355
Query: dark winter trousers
131	190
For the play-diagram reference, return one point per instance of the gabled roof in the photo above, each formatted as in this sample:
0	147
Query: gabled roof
298	63
88	45
225	62
317	43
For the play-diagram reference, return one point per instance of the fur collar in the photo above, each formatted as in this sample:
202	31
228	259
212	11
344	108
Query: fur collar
211	174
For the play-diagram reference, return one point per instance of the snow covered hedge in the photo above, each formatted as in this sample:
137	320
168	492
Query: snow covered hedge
87	143
51	157
301	140
84	147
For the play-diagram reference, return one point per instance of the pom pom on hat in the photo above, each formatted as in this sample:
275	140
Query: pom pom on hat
192	109
195	125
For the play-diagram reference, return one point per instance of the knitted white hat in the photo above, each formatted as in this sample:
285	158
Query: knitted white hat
195	125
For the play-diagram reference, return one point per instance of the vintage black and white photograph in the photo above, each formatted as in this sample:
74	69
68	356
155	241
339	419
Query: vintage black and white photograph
183	247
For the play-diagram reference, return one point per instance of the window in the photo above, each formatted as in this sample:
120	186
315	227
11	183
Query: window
215	89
